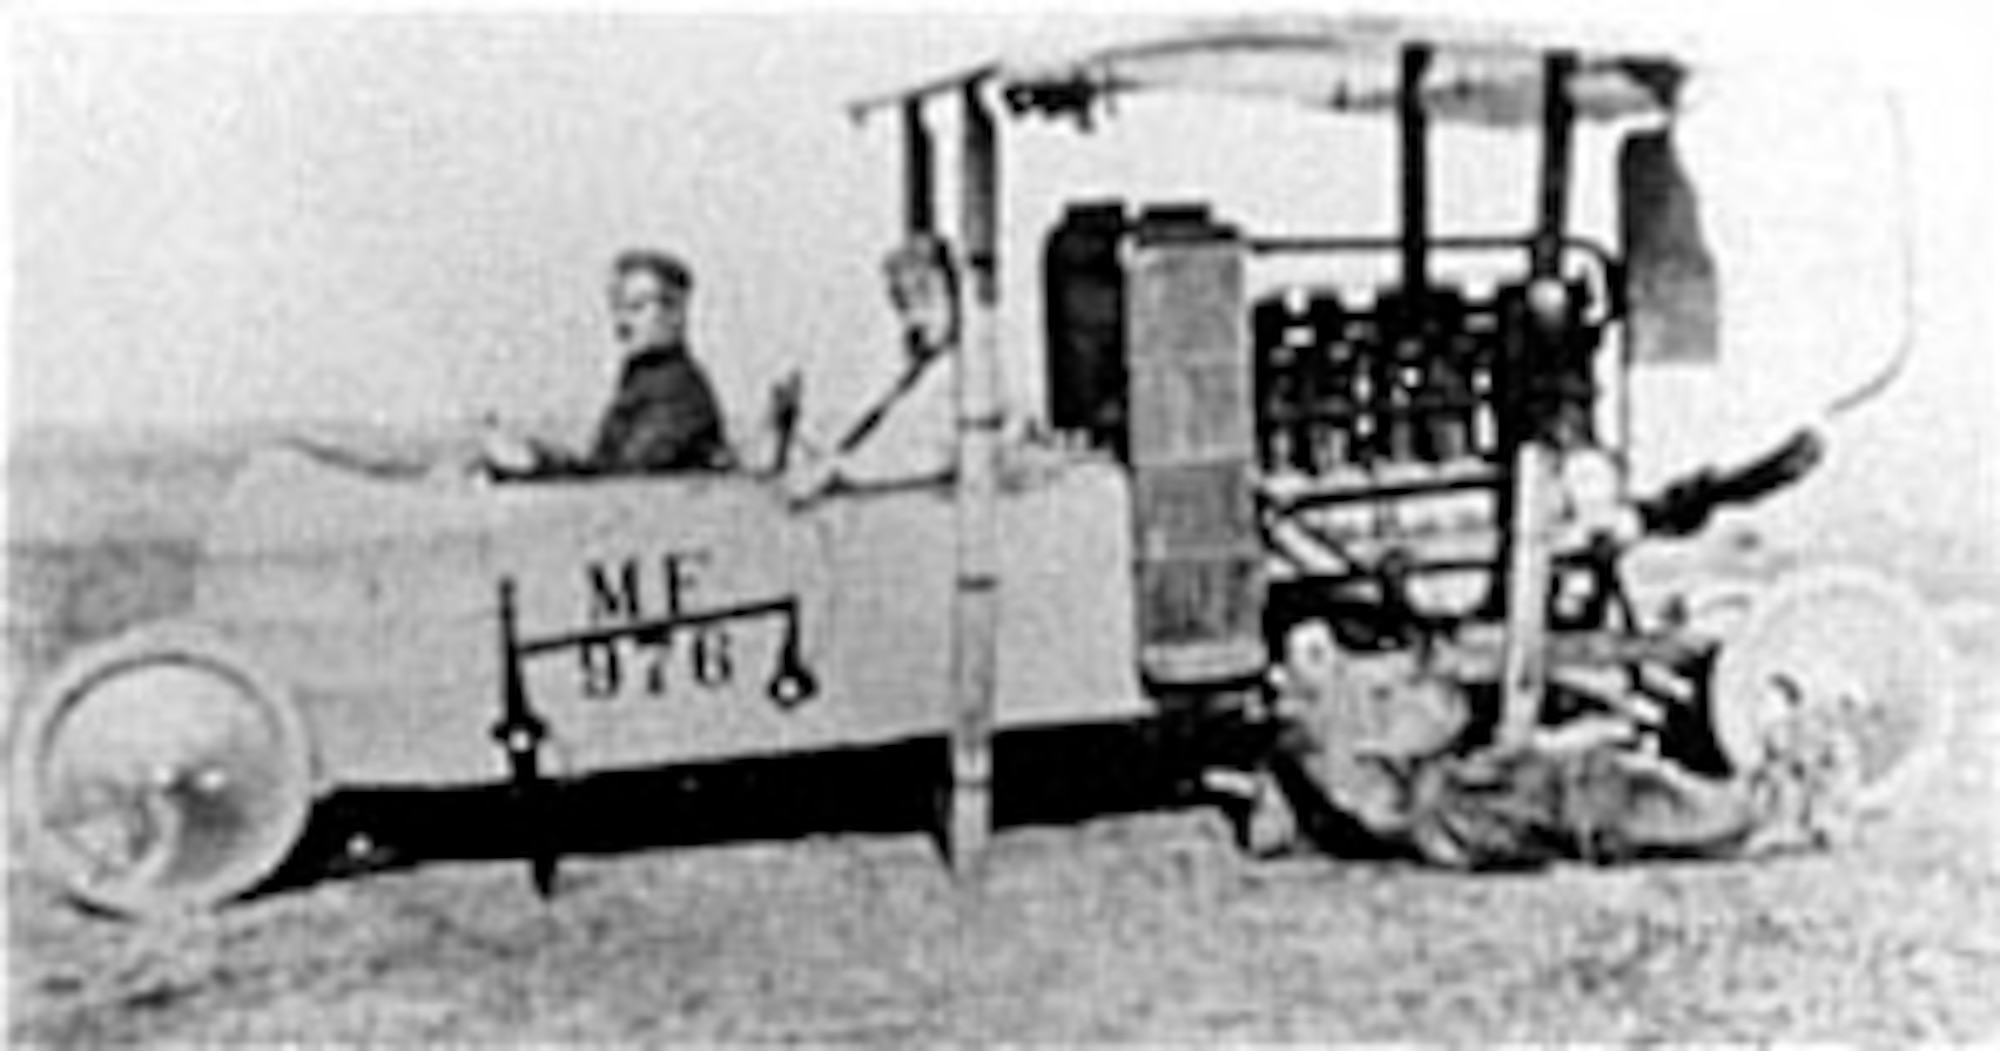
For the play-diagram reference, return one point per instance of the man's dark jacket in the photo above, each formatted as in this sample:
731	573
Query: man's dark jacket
663	418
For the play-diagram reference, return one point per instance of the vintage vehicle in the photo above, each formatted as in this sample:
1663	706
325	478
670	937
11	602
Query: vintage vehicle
1432	471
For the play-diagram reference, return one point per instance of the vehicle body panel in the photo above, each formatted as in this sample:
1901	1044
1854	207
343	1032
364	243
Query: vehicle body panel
380	601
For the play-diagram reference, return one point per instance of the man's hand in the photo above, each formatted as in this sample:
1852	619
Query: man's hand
786	396
506	454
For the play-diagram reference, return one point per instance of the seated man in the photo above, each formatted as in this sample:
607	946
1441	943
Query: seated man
663	416
906	436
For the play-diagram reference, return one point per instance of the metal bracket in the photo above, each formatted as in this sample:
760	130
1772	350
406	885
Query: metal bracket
520	733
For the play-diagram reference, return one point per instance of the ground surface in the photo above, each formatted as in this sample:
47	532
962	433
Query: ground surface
1144	925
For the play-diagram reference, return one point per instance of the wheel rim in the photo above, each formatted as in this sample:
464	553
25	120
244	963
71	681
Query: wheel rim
164	782
1844	666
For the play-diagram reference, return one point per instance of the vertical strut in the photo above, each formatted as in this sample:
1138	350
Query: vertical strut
1415	168
1536	347
520	733
919	171
1558	122
976	599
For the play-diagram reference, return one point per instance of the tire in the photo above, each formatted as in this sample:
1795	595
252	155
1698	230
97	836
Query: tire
161	772
1851	655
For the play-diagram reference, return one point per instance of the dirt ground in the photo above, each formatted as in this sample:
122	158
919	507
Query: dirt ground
1138	927
1142	924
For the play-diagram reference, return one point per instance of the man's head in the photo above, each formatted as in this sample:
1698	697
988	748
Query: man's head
649	294
923	287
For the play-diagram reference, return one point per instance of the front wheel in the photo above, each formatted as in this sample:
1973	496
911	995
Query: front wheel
161	772
1840	677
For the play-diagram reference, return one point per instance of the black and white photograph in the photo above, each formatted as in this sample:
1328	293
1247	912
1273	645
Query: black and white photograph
1423	523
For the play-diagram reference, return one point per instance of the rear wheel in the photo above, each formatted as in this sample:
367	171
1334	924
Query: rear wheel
1841	677
161	772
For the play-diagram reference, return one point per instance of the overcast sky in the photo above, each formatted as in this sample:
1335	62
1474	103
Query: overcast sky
334	215
407	216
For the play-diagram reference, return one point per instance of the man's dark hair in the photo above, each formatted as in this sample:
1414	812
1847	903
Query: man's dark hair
664	265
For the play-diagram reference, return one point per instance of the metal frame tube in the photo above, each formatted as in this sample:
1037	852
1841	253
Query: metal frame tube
1414	124
919	171
1558	126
